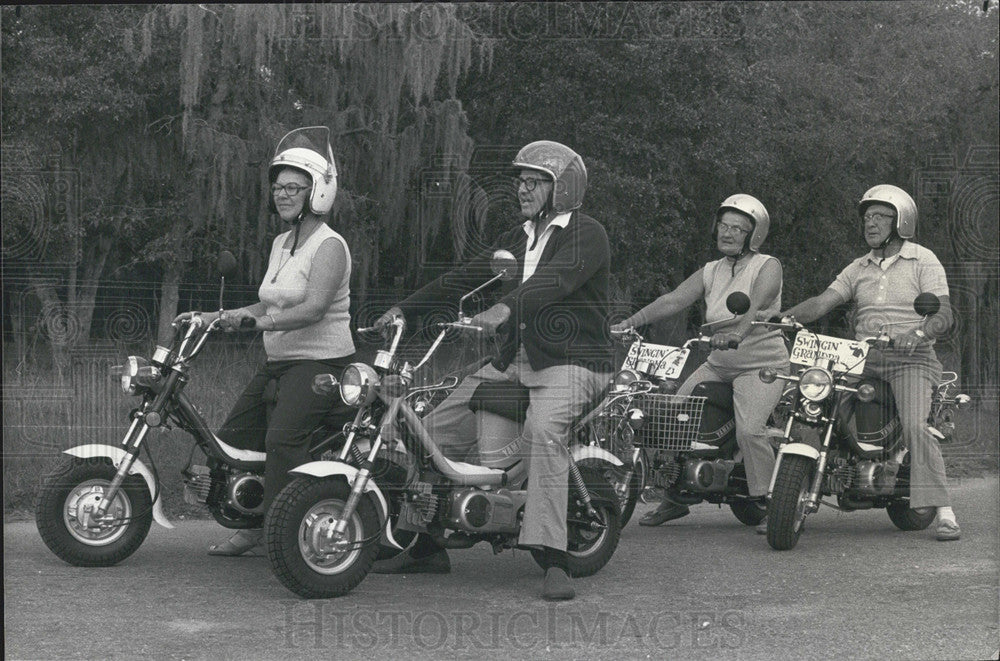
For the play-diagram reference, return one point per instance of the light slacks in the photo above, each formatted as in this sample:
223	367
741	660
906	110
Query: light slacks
558	395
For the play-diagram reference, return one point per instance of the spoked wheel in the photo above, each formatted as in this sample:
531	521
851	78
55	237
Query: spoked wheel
299	548
589	543
787	511
65	513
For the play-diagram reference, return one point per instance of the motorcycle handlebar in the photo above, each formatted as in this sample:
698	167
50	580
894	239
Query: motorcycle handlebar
705	340
458	324
780	324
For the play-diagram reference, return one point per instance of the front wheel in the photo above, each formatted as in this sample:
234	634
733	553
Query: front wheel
65	506
590	546
301	554
787	510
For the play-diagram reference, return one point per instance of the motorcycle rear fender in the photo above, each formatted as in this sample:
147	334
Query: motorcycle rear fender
800	449
581	452
117	455
348	472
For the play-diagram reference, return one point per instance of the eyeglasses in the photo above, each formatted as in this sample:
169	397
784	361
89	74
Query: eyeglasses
529	183
878	217
731	229
291	190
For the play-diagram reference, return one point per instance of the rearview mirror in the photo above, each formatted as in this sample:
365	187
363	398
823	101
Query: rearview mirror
226	264
926	304
504	264
738	302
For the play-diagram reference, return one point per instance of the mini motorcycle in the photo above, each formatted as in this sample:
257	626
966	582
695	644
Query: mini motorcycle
684	445
326	527
842	431
96	507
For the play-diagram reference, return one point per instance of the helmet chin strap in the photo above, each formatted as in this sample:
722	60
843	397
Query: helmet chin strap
734	259
297	222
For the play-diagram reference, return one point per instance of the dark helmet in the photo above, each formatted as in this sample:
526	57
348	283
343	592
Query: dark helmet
563	165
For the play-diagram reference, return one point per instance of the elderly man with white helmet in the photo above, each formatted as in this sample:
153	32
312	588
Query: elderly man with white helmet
739	228
552	321
883	284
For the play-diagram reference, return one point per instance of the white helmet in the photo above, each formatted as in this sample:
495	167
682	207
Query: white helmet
753	208
304	149
899	200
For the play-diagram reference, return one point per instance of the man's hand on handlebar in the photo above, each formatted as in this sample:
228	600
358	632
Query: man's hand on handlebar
622	327
490	320
725	341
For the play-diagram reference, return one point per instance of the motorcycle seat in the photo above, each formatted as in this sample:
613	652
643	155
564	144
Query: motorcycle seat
472	470
717	393
509	400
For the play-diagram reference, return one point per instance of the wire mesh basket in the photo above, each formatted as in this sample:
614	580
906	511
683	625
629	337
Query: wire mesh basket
671	421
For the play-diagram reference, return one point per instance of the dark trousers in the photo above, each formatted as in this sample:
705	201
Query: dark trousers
297	412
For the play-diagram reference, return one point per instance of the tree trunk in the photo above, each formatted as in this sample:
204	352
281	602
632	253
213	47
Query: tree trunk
169	298
59	323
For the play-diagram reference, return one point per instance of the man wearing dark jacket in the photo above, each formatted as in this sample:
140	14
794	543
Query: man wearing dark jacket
552	323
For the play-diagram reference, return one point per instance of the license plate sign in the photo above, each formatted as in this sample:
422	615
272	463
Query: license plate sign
848	356
659	360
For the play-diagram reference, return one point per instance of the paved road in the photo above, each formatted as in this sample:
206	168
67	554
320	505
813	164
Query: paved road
703	587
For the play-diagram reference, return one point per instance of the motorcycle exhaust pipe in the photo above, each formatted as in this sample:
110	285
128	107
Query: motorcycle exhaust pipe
456	540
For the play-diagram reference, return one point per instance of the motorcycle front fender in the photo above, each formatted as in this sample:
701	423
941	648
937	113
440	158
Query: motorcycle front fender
581	452
348	472
117	456
801	449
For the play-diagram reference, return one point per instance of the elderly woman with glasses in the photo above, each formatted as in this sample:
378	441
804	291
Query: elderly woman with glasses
740	226
303	313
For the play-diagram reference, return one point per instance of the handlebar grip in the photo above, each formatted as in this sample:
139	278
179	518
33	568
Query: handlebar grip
248	322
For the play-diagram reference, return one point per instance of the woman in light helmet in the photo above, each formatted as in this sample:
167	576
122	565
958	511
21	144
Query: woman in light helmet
303	313
739	228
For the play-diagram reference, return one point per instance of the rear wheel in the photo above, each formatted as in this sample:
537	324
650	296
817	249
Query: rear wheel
590	543
906	518
64	513
298	548
628	484
749	512
787	511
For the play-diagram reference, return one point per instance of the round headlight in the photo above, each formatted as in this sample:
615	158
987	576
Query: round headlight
624	380
133	366
357	385
816	384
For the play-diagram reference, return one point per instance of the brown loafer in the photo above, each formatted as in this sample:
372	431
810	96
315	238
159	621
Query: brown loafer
658	516
761	528
557	585
404	563
948	531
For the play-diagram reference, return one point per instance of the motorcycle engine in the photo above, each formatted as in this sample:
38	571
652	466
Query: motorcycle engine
706	475
481	512
245	493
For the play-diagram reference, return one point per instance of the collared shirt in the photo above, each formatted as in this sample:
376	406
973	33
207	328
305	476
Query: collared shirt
535	247
884	292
